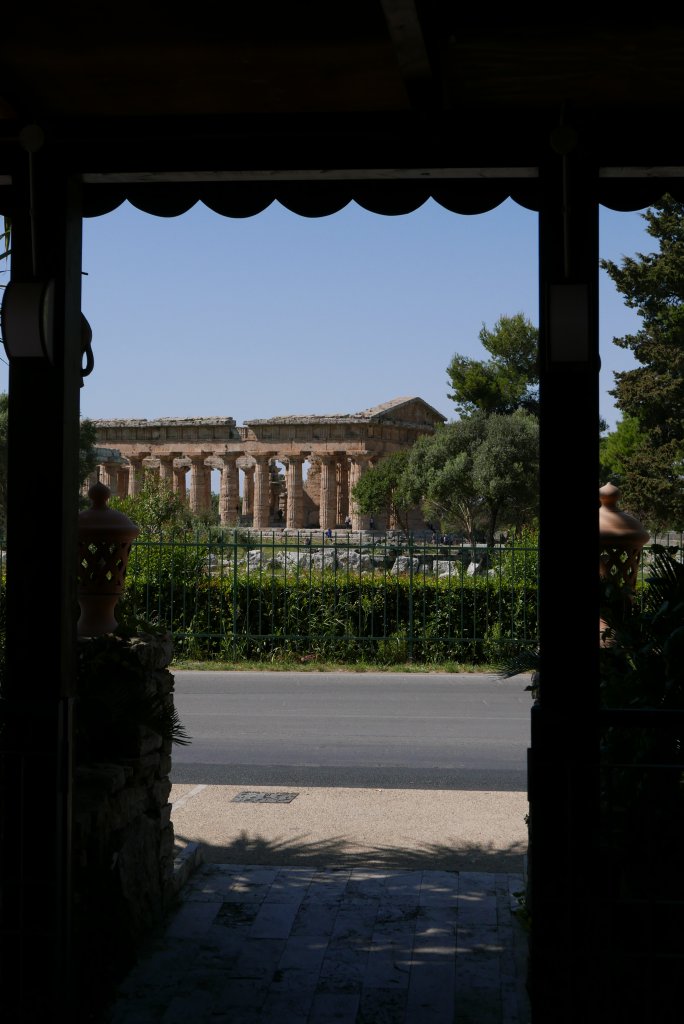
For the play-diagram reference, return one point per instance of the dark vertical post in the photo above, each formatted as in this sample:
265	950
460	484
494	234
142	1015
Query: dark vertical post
563	767
41	605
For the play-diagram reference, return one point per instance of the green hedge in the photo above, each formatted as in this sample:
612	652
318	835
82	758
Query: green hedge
338	615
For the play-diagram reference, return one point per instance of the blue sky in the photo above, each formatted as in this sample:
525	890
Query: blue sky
204	315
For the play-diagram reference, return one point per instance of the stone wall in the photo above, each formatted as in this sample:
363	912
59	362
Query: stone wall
124	878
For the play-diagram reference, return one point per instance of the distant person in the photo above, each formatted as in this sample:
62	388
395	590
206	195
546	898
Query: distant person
348	522
328	533
371	524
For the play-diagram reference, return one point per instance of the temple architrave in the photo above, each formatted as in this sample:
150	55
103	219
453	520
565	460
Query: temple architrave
297	471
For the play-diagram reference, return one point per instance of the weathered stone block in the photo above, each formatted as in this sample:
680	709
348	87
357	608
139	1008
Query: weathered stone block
123	839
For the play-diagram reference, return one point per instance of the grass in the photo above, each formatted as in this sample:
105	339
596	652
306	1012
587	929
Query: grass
313	664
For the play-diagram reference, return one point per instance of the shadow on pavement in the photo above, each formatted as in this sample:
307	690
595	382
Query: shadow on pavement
252	848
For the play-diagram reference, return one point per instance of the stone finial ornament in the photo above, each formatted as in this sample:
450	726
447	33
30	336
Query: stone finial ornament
105	537
621	539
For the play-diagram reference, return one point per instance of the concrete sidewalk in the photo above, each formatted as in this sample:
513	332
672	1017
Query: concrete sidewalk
336	827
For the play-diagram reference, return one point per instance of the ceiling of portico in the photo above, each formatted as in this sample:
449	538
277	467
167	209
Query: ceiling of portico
385	102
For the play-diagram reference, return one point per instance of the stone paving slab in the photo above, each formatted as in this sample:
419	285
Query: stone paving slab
267	945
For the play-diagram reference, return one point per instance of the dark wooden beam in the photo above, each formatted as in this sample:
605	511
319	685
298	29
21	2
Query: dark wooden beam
41	606
563	766
416	67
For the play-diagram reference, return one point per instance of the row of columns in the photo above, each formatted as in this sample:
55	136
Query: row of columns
339	474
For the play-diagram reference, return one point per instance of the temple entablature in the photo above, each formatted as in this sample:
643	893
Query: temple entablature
195	430
297	471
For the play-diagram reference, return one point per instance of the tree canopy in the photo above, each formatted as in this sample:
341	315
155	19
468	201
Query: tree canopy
504	383
652	394
380	488
477	474
156	508
618	449
87	456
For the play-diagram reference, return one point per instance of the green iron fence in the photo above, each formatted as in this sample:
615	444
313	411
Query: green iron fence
383	598
239	594
386	598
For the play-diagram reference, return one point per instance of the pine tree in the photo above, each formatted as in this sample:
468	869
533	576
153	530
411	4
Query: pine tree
504	383
653	393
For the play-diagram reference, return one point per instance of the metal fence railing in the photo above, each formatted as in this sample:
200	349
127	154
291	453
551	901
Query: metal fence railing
380	596
384	597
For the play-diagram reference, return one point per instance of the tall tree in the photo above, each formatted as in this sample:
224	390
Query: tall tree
379	489
618	449
653	393
506	382
477	473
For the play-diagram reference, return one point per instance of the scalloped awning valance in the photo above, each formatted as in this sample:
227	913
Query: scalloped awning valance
315	198
323	198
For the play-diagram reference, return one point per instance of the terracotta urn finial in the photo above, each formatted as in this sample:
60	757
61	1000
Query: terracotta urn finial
616	527
105	537
621	539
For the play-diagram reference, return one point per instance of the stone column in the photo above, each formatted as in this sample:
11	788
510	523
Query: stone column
91	479
179	481
328	501
274	492
342	489
135	473
198	484
207	489
248	491
358	464
262	491
166	469
108	474
122	477
294	519
229	495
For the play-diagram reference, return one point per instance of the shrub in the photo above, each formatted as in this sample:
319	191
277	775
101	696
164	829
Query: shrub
337	614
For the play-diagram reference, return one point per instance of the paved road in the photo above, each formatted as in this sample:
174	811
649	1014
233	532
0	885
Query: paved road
405	731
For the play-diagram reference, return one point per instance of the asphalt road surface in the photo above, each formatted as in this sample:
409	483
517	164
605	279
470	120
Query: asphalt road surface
402	731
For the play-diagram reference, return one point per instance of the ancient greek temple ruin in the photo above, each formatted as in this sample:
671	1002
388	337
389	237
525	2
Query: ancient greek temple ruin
296	472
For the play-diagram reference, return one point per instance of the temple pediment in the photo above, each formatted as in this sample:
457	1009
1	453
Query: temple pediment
409	411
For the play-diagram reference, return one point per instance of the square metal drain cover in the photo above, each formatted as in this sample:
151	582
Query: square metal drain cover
252	797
